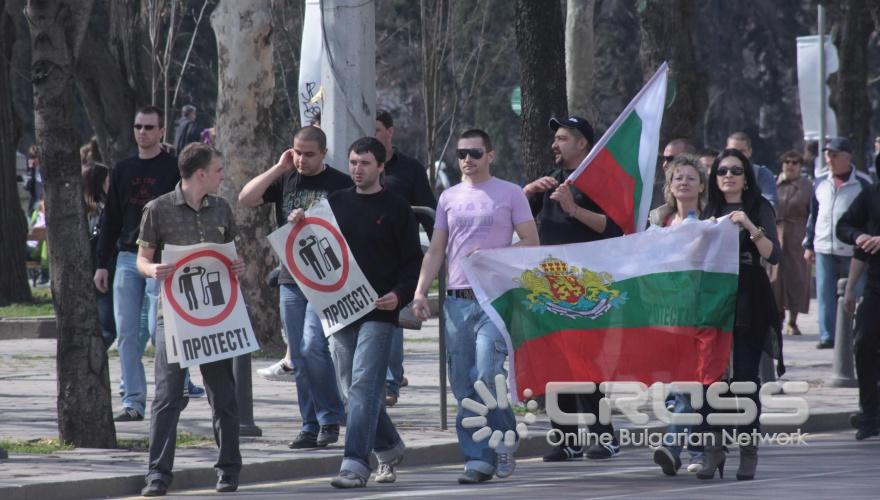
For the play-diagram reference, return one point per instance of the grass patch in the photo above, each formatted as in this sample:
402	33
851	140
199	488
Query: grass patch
149	351
41	446
184	440
40	306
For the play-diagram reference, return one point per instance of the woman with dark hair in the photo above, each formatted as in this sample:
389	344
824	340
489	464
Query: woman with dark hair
96	183
733	191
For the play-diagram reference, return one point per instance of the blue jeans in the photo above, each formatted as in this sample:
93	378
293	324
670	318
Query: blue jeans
829	269
677	431
129	290
106	321
475	351
395	364
362	353
316	389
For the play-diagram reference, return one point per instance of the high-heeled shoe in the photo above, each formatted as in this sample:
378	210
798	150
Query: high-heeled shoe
715	457
748	462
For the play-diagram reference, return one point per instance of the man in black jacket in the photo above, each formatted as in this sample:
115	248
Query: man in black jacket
860	226
405	177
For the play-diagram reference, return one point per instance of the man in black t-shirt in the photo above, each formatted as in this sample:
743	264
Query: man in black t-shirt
405	177
133	182
566	215
299	179
381	231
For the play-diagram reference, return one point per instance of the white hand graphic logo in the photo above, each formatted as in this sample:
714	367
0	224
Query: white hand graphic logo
491	402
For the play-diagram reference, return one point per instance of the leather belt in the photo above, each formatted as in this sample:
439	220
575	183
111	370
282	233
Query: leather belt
464	293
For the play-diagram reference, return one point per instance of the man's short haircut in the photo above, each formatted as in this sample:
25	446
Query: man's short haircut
741	136
685	145
707	152
384	116
368	145
188	109
314	134
195	156
151	110
477	133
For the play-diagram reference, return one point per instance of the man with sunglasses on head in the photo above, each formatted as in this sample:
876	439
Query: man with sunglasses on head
566	215
481	212
673	149
134	182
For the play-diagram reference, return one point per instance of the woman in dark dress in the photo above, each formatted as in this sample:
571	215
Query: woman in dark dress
733	191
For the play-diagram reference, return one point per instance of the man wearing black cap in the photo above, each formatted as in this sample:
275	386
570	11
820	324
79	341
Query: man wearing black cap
833	193
566	215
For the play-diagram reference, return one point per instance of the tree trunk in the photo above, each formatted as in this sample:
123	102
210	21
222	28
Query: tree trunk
849	88
246	96
579	50
110	80
666	36
540	44
84	412
13	224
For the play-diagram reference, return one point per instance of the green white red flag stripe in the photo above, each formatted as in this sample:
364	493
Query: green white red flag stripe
655	306
618	173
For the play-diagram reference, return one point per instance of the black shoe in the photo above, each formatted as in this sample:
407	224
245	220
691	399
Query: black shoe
866	432
156	488
128	415
473	477
668	463
603	451
855	420
563	453
825	345
329	434
227	483
304	440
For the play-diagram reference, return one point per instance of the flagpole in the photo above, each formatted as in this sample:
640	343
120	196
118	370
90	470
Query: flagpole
617	121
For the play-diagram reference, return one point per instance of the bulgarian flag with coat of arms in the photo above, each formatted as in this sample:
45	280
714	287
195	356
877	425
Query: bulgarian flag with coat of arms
655	306
618	173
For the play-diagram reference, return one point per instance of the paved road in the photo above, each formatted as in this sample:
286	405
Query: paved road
829	466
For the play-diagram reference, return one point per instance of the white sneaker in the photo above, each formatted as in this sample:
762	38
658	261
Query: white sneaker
506	463
278	372
387	472
697	464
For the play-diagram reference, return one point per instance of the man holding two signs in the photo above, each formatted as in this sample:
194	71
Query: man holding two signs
381	231
189	215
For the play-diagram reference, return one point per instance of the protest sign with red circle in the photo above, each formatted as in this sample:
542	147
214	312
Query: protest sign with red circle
318	260
202	290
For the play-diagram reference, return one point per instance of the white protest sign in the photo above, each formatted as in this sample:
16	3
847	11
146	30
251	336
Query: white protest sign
203	307
320	261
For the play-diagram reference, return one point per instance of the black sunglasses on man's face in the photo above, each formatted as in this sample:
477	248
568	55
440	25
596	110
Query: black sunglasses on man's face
474	153
138	126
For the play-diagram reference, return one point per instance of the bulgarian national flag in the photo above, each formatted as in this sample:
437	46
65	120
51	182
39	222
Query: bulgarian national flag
655	306
618	174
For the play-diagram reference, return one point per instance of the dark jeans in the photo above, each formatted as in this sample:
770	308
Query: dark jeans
581	403
169	401
867	343
746	368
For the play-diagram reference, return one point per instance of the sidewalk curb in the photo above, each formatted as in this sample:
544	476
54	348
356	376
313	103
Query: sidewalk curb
303	467
36	327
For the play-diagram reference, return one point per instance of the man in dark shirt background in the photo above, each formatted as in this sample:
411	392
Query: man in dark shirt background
566	215
405	177
133	183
